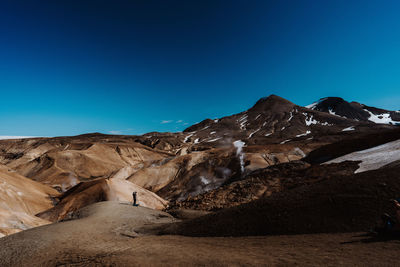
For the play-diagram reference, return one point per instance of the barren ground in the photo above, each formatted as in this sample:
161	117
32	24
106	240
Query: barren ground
105	234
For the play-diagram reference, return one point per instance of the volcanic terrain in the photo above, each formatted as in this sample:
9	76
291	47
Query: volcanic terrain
276	184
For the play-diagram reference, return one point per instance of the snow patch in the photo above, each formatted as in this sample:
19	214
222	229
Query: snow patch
351	128
303	134
291	116
283	142
197	140
331	112
215	139
314	105
242	121
187	138
373	158
310	121
244	117
267	134
251	134
383	118
334	113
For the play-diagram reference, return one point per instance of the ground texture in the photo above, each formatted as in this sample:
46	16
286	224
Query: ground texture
111	234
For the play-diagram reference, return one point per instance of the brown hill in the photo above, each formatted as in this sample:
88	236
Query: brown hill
64	161
20	199
341	203
263	183
86	193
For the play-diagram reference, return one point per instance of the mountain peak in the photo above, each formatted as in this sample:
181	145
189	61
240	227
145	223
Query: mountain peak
273	97
354	110
270	102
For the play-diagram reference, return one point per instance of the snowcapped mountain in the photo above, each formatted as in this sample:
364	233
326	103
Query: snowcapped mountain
355	111
276	120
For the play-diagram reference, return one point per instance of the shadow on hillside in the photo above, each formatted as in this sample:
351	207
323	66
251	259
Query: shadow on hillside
373	238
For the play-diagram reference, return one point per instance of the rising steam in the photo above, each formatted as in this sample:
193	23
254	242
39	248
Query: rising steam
69	182
239	152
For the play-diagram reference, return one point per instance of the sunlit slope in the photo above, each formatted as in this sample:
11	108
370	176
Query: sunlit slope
20	199
64	161
86	193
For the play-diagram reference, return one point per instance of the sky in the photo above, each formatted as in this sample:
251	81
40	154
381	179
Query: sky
129	67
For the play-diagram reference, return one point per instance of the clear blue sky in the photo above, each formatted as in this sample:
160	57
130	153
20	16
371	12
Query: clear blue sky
71	67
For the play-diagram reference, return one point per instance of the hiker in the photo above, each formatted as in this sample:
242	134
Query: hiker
134	199
396	203
390	224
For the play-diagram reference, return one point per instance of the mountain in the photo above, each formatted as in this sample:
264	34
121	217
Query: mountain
209	156
176	166
272	120
274	169
355	111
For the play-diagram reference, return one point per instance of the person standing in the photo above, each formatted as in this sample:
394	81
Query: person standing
134	195
396	203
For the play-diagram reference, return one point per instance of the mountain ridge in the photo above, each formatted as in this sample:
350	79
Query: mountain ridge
355	111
